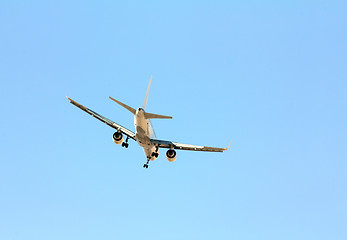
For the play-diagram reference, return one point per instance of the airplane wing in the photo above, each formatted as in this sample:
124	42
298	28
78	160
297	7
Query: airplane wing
112	124
182	146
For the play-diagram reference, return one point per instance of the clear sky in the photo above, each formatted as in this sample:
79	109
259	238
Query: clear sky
271	75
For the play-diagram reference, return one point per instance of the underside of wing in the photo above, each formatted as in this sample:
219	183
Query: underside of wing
182	146
110	123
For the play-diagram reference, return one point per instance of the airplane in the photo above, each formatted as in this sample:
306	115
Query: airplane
144	134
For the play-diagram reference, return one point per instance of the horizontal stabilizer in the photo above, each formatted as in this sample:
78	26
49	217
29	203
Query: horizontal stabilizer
130	109
151	115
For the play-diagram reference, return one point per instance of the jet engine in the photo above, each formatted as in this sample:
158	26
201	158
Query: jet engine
171	155
117	138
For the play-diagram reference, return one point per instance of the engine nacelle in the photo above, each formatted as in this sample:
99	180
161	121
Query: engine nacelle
171	155
117	138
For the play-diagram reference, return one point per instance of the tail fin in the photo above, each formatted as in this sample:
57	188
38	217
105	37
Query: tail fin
130	109
151	115
146	97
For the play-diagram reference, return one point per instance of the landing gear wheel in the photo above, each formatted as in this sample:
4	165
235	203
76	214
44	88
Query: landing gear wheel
125	144
155	154
146	164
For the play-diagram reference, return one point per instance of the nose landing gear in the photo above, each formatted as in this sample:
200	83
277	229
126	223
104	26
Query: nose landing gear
146	164
153	154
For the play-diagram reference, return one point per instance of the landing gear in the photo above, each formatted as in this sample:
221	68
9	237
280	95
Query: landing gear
155	154
125	144
146	164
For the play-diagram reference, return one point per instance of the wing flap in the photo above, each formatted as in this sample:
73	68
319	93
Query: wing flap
107	121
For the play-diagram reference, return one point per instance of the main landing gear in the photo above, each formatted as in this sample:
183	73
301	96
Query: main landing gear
155	154
125	144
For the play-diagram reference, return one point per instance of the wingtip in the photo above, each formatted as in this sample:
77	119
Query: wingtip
68	98
229	145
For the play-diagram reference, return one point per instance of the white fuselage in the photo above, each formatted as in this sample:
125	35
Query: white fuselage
143	132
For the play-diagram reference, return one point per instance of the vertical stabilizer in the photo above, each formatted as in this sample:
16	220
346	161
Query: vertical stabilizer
146	97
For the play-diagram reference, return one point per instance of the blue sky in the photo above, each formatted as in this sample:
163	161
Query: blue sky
270	75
